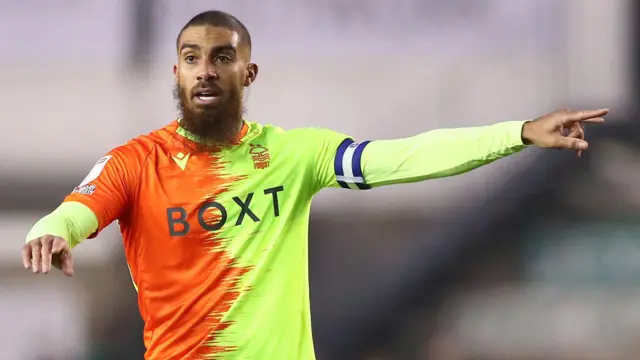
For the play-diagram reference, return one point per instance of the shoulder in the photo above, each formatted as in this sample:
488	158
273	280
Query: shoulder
139	148
300	137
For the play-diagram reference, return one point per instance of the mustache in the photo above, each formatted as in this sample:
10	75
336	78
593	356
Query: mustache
206	86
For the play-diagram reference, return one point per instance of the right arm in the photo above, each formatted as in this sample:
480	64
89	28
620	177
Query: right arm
72	221
101	198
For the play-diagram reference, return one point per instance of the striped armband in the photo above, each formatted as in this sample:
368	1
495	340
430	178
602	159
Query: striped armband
348	165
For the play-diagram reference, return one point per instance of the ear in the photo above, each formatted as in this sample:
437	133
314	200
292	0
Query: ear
175	72
251	74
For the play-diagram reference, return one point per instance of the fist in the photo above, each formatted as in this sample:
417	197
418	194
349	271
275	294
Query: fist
41	253
562	129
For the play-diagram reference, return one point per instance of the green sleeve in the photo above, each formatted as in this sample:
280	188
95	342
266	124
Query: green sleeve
318	147
71	221
438	153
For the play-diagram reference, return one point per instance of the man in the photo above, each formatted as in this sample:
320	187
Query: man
214	209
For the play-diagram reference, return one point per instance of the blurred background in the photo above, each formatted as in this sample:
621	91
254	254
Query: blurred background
535	257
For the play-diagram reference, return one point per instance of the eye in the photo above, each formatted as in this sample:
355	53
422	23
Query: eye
190	59
223	58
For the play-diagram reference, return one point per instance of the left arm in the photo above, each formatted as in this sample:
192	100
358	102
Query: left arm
339	161
438	153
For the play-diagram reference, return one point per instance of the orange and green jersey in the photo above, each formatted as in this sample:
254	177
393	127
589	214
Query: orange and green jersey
216	240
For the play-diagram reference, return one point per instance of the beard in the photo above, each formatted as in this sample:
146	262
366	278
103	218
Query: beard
217	125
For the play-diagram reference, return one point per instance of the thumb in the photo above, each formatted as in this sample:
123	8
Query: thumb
573	143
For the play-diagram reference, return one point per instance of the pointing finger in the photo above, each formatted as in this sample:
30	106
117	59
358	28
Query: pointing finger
597	120
588	116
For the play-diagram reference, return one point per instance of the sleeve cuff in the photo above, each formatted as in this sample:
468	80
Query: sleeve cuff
513	131
71	220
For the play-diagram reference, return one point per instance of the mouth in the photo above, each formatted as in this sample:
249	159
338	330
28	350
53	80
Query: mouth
206	96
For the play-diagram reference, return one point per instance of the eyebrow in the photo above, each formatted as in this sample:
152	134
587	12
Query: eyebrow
226	47
217	49
189	46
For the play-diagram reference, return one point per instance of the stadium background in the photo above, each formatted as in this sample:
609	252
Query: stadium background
536	257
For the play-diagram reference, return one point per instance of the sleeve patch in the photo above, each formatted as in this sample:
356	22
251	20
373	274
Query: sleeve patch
95	171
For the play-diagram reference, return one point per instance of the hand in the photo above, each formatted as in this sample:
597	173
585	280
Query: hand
562	129
39	254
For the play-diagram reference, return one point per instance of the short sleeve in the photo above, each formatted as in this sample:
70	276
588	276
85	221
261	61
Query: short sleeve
108	186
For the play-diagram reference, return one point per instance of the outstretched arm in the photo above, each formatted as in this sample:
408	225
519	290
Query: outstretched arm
439	153
448	152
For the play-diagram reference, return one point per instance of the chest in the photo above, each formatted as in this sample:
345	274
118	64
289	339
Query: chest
187	192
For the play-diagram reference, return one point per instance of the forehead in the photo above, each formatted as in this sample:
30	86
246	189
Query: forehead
207	36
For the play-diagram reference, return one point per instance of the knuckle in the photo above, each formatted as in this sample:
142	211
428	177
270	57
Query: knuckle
61	245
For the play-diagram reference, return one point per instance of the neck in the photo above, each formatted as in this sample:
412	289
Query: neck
186	131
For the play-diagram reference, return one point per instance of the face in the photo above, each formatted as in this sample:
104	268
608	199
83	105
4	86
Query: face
212	70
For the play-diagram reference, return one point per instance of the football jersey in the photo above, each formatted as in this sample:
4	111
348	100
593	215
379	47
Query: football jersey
216	240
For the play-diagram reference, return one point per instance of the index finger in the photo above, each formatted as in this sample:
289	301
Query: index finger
588	116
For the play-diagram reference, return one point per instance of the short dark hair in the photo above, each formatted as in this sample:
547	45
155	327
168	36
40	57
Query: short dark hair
218	19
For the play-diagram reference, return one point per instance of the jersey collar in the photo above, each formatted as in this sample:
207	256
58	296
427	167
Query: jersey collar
185	133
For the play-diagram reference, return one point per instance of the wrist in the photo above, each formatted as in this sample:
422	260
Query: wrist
525	134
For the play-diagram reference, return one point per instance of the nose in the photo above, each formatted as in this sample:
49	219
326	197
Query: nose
207	72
